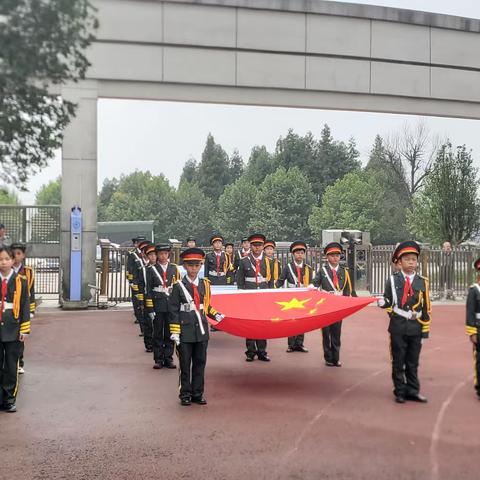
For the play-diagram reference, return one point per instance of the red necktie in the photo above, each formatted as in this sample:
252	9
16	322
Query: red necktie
335	279
299	276
244	253
4	294
218	263
196	296
257	269
164	277
407	291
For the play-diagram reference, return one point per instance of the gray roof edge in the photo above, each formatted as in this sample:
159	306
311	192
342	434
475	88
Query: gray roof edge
345	9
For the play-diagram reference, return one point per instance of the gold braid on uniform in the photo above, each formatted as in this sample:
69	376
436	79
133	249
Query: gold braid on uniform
206	300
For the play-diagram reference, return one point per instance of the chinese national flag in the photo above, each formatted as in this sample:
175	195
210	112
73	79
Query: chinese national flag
282	312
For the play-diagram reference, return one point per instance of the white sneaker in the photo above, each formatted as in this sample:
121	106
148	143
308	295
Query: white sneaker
21	370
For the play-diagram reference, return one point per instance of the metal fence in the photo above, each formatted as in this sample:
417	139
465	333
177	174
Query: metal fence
39	228
32	224
373	266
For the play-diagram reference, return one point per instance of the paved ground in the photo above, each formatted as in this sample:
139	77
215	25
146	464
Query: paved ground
91	407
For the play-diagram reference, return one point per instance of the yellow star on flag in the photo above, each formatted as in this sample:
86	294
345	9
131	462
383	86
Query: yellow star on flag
293	303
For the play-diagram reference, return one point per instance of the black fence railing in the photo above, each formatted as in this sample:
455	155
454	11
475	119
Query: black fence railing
47	274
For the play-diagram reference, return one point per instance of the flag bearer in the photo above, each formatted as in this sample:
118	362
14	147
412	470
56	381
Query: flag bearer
254	272
297	274
407	300
334	278
189	303
216	262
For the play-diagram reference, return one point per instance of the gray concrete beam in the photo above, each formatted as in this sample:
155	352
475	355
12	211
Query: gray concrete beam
345	9
279	97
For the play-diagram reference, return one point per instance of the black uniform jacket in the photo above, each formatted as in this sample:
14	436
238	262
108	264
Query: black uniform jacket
139	282
187	323
321	281
239	254
132	260
16	314
418	302
156	300
211	266
292	281
246	273
473	310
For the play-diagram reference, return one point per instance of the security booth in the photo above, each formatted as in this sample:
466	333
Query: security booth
356	257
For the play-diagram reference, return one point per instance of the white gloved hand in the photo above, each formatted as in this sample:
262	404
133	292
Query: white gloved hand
381	302
176	338
338	293
32	315
152	316
219	317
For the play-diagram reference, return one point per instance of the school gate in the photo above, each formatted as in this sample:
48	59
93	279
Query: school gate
289	53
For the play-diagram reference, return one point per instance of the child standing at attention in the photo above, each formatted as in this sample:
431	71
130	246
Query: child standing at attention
14	327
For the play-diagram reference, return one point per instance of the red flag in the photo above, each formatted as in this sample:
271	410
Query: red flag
281	312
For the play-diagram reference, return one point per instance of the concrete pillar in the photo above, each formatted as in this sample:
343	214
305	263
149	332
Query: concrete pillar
79	185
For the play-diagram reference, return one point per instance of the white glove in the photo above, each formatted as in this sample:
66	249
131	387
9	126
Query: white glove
176	338
381	302
338	293
219	317
32	315
152	316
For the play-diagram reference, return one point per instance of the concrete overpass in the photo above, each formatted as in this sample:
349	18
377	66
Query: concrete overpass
290	53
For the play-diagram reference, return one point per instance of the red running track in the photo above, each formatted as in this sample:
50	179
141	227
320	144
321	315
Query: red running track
91	407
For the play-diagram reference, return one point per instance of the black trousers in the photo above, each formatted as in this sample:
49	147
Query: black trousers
256	347
146	325
137	311
476	359
9	358
331	342
405	353
162	345
193	358
21	362
296	341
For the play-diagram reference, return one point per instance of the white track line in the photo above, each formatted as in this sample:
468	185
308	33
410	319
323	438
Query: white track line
437	429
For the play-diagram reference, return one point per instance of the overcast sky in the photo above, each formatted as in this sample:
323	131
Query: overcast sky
161	136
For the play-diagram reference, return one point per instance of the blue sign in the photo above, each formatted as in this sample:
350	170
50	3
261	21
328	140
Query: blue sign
76	254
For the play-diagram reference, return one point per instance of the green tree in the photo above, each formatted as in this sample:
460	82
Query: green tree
143	196
234	210
50	193
236	166
446	209
295	151
352	203
189	172
392	216
214	169
109	187
332	160
8	197
282	205
191	214
260	164
43	43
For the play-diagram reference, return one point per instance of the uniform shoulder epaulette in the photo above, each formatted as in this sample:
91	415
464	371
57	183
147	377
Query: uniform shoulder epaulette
206	280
